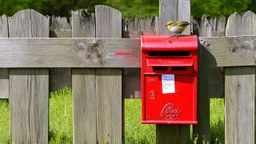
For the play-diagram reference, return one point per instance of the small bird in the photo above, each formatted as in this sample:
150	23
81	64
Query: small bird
177	27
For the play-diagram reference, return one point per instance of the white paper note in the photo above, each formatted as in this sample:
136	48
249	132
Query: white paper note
168	85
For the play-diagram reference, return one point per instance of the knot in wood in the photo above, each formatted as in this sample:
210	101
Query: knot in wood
205	43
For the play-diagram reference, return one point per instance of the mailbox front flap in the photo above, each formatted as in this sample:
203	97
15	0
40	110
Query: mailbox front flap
169	61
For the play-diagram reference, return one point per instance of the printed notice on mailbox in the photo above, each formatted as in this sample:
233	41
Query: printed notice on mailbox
168	85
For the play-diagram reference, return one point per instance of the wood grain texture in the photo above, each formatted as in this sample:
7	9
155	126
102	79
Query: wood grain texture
241	24
4	73
109	102
108	22
83	24
239	105
29	88
172	10
168	11
84	106
28	23
173	134
109	81
240	86
59	52
3	26
84	86
184	13
141	24
91	52
29	92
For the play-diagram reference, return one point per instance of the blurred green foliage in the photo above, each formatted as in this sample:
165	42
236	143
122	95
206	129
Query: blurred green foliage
129	8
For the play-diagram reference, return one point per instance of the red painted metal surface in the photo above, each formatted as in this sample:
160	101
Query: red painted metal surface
169	73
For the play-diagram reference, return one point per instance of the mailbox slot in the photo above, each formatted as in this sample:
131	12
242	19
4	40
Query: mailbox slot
168	53
177	65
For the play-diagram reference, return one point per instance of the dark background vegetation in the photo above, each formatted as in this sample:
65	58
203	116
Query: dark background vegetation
129	8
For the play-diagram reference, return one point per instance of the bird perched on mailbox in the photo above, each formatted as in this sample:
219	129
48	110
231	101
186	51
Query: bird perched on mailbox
177	27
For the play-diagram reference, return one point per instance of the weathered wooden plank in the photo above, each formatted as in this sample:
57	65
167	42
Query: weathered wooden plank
173	10
142	24
33	24
239	105
83	24
109	103
108	22
240	86
82	52
68	53
29	92
84	105
184	13
241	24
84	85
179	134
4	74
29	88
109	81
3	26
168	11
219	26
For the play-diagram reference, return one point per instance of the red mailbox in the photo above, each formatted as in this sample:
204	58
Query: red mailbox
169	72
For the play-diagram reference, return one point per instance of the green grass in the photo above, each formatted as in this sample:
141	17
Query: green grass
135	132
60	129
217	120
4	122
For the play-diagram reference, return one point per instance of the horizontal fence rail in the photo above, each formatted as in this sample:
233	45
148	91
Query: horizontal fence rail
106	52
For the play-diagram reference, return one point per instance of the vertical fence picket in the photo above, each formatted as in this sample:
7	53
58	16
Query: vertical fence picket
172	10
109	81
4	75
29	88
240	85
84	85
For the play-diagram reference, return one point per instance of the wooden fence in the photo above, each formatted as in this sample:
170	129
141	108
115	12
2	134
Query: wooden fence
31	67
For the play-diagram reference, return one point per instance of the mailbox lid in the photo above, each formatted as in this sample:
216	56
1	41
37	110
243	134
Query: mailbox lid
163	43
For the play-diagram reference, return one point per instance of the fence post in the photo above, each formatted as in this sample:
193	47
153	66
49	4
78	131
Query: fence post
240	84
29	88
173	10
